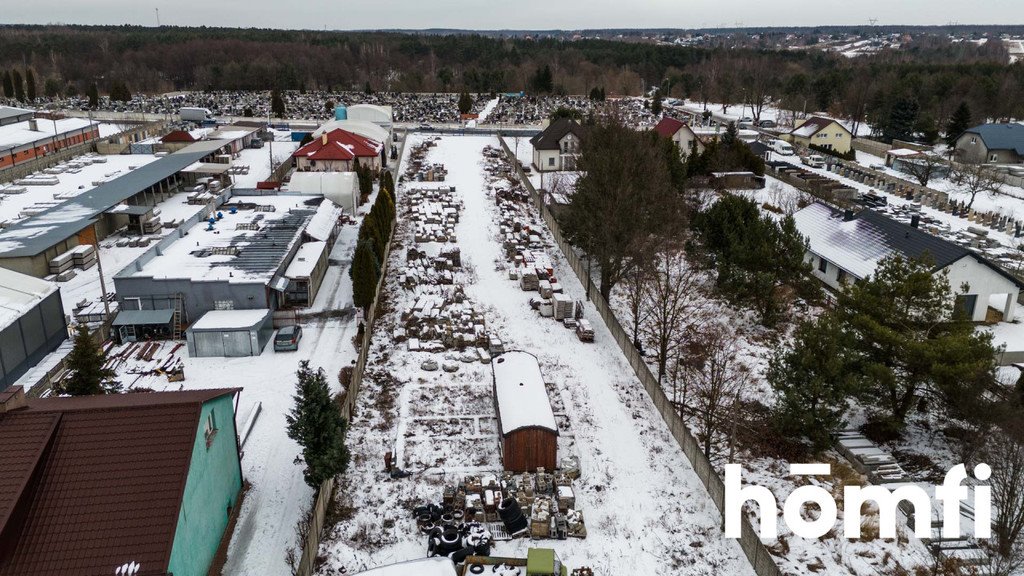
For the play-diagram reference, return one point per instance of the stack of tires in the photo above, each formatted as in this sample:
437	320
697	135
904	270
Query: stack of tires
511	515
458	543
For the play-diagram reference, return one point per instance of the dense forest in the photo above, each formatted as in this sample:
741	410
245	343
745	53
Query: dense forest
926	79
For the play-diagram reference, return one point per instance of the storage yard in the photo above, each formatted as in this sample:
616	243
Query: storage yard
645	510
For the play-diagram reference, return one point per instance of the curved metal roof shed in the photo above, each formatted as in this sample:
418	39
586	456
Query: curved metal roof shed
529	433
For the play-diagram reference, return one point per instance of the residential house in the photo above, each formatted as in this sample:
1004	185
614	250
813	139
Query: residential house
993	143
557	146
847	246
681	134
823	132
94	483
337	151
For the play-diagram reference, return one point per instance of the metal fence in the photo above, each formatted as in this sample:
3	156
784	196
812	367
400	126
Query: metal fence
750	542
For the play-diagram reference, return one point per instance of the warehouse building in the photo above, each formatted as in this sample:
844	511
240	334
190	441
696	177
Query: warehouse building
238	261
526	423
230	333
32	323
29	138
27	246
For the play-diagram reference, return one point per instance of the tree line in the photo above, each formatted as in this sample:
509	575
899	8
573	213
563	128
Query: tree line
920	84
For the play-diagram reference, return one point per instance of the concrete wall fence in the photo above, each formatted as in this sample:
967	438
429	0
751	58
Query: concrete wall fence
750	542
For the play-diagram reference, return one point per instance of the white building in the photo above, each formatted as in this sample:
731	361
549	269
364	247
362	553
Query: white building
556	148
846	247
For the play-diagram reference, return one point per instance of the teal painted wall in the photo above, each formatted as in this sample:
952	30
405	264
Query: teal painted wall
211	492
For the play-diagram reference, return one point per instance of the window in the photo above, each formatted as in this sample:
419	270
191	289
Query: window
974	139
841	276
993	157
551	161
822	265
965	304
210	432
132	303
223	305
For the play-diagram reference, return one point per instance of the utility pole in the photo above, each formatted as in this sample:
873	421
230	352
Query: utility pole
99	269
157	17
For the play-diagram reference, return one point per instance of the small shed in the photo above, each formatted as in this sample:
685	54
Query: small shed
135	325
230	333
526	423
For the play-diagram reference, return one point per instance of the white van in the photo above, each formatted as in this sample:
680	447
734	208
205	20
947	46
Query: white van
814	161
782	147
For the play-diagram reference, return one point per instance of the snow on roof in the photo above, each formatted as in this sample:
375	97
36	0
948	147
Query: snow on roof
813	125
19	293
520	392
230	319
325	218
436	566
18	133
371	113
305	260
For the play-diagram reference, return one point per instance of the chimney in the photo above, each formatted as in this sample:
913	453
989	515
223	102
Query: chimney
33	125
12	399
324	139
847	215
915	221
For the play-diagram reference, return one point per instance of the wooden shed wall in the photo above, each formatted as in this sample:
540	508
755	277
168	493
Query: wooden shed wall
527	449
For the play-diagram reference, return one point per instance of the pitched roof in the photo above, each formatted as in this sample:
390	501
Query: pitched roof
858	245
1001	136
339	145
813	125
178	136
667	127
549	138
90	483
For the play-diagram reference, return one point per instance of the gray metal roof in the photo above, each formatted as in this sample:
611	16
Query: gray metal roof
549	138
1001	136
35	235
7	112
143	317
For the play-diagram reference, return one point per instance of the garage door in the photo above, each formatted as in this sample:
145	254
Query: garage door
236	344
208	344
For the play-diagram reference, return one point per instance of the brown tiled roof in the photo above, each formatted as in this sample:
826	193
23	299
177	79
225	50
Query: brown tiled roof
107	479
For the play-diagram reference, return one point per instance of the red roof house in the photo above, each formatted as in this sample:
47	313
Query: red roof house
337	151
681	134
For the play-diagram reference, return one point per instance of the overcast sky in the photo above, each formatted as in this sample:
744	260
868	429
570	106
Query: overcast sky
520	14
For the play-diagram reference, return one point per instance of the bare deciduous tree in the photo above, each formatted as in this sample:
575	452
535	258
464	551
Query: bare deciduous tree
634	284
976	178
924	167
672	306
1005	454
718	380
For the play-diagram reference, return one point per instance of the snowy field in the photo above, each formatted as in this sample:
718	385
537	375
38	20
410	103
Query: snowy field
645	509
258	159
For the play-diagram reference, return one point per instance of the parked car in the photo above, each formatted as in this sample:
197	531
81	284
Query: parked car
767	124
584	331
287	339
814	161
746	121
782	147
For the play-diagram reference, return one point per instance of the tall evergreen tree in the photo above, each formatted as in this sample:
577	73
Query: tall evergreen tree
656	106
93	93
465	103
901	121
88	374
19	85
958	123
8	84
277	104
364	273
30	85
315	422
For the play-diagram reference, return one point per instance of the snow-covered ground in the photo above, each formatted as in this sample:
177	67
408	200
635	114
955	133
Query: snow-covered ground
645	508
258	159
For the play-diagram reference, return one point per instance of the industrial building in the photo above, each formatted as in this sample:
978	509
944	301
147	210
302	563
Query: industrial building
526	423
28	138
250	255
28	246
32	323
230	333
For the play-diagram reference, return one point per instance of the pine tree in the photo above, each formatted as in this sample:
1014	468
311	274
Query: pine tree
812	382
19	85
902	119
329	107
8	83
315	422
277	104
465	103
119	92
88	374
93	93
959	122
656	106
364	273
30	85
247	112
368	89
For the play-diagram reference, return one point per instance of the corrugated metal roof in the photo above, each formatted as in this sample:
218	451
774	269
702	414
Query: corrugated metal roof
108	475
7	112
34	235
19	293
143	317
521	394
